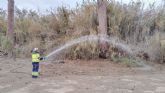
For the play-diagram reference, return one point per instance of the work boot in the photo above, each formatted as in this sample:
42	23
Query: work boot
34	77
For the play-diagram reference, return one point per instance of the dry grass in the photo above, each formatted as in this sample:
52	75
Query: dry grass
131	23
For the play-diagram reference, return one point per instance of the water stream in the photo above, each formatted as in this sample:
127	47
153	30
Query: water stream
93	38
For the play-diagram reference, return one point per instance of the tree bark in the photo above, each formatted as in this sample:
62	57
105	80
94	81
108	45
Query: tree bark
10	29
102	29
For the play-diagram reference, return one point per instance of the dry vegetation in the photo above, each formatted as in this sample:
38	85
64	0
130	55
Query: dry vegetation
132	23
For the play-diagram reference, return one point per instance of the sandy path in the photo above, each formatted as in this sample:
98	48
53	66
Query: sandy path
80	77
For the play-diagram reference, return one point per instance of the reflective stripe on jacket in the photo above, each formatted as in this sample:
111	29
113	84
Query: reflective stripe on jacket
35	57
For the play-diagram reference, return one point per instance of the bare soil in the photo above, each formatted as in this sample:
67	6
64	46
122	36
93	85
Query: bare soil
79	76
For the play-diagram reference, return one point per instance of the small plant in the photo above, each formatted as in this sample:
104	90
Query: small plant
5	44
129	61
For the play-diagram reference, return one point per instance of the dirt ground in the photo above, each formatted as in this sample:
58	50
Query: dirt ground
101	76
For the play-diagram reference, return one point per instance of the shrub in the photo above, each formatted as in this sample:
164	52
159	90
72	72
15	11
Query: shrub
5	44
129	22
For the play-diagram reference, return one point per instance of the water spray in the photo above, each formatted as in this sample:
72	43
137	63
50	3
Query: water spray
95	38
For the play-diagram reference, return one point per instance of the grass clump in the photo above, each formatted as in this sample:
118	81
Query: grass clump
129	61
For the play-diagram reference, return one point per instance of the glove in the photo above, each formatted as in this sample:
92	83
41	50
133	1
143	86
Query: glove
43	58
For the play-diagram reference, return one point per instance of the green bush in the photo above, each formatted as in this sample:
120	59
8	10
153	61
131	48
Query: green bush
5	43
129	61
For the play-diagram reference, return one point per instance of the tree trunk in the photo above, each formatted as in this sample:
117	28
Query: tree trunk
102	29
10	30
